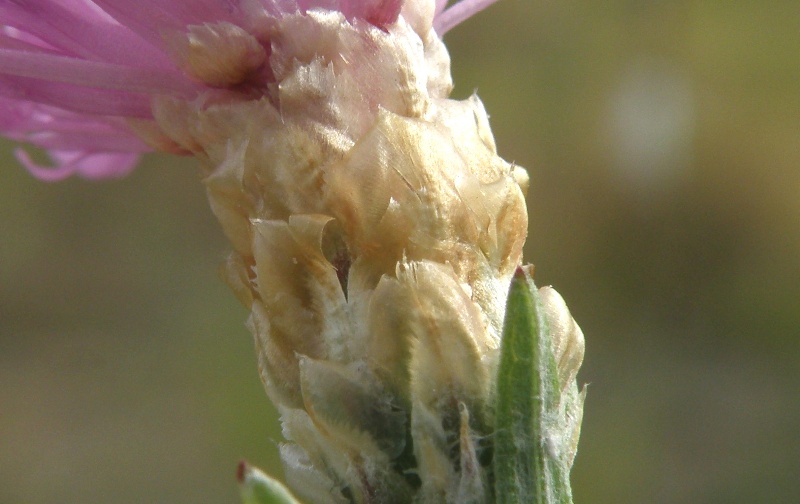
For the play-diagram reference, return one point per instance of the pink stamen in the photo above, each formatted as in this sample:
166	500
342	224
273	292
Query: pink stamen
458	13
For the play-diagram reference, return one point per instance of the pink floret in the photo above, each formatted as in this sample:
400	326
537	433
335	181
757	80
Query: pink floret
447	18
90	146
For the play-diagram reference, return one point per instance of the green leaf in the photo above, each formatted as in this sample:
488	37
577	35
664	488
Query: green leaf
258	488
528	467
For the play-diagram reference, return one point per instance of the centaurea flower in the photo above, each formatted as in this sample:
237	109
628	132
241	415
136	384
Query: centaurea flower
374	228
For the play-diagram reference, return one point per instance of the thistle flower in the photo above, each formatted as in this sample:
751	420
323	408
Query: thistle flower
374	228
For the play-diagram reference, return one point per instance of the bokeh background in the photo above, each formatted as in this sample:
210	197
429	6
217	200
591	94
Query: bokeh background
663	142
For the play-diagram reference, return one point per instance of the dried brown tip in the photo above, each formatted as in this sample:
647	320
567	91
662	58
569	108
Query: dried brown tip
241	470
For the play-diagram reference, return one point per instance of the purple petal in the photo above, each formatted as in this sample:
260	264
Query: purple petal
457	13
90	165
69	70
93	136
91	146
149	18
95	37
75	98
20	42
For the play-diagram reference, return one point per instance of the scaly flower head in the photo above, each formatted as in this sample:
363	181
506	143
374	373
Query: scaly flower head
375	230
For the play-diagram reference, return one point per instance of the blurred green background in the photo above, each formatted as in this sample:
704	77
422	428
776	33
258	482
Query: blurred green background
663	143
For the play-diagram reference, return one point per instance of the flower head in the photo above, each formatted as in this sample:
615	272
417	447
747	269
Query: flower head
79	77
374	227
